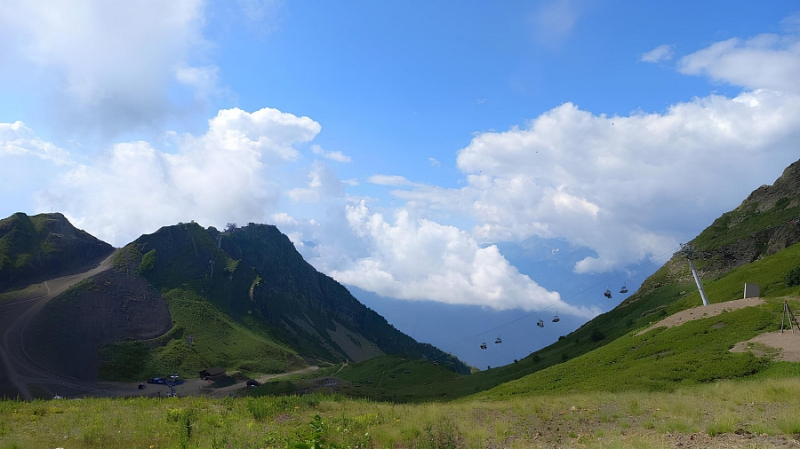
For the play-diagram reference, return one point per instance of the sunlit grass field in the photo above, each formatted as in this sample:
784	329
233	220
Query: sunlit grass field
750	413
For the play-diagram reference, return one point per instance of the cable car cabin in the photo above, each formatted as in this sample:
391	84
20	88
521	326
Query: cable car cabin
607	294
483	345
540	323
498	341
624	289
556	319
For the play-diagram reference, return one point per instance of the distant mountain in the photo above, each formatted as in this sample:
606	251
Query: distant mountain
35	248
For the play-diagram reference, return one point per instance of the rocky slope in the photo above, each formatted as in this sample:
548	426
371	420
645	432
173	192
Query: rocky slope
766	222
113	306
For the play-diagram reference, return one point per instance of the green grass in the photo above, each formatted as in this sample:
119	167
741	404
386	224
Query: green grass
710	414
662	359
218	340
659	360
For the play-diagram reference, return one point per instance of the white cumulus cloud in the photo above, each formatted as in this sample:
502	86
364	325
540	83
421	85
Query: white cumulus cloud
221	176
626	186
418	259
322	184
767	61
16	139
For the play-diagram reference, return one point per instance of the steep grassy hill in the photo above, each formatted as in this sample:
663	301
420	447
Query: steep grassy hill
34	248
695	352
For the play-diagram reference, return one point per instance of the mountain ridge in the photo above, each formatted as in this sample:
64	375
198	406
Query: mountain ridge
265	310
45	245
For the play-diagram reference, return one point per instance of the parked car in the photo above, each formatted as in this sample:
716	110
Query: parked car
157	380
252	383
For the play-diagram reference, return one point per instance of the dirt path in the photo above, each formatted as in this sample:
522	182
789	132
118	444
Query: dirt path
787	345
21	370
701	312
225	391
190	387
25	375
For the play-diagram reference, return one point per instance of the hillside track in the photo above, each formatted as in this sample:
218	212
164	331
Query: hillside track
20	372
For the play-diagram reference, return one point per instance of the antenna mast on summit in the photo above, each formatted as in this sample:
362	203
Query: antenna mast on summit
690	254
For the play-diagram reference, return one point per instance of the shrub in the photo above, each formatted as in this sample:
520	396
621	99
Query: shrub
793	277
597	335
148	262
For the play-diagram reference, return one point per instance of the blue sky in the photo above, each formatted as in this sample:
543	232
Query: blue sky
433	156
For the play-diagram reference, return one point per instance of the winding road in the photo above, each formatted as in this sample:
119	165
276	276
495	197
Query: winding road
28	379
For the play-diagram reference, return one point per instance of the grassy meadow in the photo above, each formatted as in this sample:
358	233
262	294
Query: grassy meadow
741	413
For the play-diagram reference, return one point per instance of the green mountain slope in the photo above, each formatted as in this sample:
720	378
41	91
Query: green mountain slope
254	277
37	247
694	352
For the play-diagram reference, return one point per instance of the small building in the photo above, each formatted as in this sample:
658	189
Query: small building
215	373
752	290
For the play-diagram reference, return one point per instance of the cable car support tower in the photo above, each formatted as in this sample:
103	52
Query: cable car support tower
690	253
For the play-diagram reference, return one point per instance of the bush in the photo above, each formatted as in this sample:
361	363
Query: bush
148	262
597	335
792	277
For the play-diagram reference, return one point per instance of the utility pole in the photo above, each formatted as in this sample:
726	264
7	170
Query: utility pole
690	254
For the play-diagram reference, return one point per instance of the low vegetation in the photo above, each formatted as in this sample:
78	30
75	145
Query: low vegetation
217	341
720	414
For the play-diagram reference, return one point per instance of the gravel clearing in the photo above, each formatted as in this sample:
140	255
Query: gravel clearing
701	312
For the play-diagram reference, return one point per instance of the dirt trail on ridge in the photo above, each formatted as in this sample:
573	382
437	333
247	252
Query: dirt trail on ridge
21	371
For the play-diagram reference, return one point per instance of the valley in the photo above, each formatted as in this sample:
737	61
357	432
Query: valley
657	370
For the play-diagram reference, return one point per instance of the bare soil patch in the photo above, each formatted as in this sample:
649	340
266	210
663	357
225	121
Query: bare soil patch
701	312
787	344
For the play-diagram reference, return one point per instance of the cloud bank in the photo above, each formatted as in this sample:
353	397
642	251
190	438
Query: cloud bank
221	176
